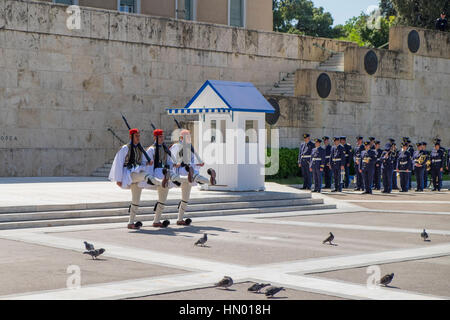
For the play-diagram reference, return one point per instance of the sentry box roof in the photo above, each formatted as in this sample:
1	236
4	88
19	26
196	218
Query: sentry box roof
225	97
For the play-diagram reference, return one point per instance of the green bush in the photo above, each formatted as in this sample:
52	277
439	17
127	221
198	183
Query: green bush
288	164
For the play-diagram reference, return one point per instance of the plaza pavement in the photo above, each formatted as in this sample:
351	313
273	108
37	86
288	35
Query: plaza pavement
282	248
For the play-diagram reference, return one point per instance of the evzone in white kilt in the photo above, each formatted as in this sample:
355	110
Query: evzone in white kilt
186	174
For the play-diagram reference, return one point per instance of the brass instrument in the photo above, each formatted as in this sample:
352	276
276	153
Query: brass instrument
422	159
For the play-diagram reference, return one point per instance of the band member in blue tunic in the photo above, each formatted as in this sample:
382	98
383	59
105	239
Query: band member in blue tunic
419	162
404	167
387	167
377	174
437	165
357	158
327	170
317	165
337	162
368	160
304	158
348	156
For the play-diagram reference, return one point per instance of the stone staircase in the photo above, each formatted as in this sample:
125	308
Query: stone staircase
334	63
96	213
286	86
103	171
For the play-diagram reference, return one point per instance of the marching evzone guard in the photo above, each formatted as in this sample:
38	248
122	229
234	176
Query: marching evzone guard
348	156
186	173
403	167
377	173
159	175
327	170
437	165
128	170
317	165
304	158
387	167
357	152
419	161
337	162
368	161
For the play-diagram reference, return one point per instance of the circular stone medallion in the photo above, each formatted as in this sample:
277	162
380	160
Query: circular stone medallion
323	85
272	118
413	41
371	62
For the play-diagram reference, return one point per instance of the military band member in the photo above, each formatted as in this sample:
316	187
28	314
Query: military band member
387	167
348	157
395	155
411	152
437	165
368	160
404	167
128	170
357	158
427	168
337	161
372	142
160	172
437	140
317	165
304	159
419	163
377	173
185	172
327	170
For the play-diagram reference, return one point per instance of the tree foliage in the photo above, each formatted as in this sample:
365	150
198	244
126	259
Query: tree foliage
302	17
418	13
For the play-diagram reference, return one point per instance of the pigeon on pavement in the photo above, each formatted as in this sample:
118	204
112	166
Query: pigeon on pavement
225	282
387	279
89	246
258	286
271	291
201	241
424	235
95	253
329	239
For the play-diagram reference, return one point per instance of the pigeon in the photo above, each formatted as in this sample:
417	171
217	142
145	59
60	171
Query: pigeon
201	241
89	246
386	279
95	253
225	282
329	239
258	286
424	235
271	291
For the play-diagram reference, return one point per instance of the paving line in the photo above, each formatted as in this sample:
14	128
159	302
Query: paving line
343	226
340	288
359	260
408	212
399	201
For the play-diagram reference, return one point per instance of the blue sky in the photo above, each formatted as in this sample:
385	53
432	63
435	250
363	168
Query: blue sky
342	10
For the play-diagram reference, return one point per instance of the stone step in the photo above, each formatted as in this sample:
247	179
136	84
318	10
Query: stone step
72	214
250	196
149	217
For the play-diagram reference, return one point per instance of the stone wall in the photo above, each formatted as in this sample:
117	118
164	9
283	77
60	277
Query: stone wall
399	92
61	89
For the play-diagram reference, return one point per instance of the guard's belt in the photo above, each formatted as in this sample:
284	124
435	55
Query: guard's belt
327	157
337	159
403	162
306	156
436	160
314	159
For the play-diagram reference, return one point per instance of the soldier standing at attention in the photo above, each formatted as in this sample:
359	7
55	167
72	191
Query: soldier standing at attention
304	158
327	170
419	162
372	142
442	23
437	165
403	167
411	152
348	157
377	174
317	165
337	164
387	167
357	158
368	159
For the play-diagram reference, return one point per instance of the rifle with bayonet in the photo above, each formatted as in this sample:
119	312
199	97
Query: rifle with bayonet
139	146
192	147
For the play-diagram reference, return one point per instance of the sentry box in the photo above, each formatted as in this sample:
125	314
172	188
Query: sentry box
231	133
